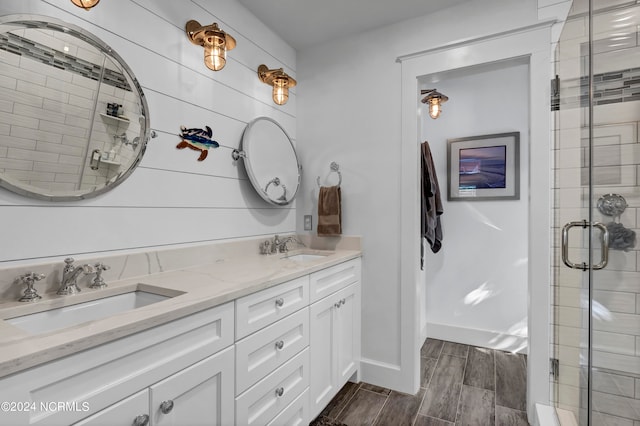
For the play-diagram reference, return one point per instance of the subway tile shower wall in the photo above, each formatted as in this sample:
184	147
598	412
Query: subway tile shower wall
48	102
616	159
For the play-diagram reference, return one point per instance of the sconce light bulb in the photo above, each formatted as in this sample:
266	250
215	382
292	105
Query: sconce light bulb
85	4
215	55
280	91
434	108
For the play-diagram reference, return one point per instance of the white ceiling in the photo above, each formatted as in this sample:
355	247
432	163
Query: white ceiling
302	23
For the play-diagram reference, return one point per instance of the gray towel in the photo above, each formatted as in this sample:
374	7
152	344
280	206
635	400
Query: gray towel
431	204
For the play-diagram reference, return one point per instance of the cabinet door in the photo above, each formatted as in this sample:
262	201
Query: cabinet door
130	411
322	350
347	333
202	394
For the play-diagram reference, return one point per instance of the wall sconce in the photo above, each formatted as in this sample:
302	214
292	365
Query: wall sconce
85	4
280	82
435	99
216	43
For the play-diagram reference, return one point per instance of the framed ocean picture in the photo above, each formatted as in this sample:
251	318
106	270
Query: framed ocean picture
484	168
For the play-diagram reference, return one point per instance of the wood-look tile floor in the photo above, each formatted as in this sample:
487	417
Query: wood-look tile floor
460	385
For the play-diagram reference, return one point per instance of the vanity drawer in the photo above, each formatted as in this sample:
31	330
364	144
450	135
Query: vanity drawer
330	280
262	352
264	401
296	414
268	306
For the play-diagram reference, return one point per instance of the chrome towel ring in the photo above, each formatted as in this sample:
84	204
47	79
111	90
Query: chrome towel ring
334	168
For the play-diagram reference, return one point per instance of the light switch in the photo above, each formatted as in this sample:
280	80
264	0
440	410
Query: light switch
308	222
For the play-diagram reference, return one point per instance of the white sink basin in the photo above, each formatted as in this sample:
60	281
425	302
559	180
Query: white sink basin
58	318
305	257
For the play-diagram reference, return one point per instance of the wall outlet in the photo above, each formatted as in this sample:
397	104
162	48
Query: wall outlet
308	222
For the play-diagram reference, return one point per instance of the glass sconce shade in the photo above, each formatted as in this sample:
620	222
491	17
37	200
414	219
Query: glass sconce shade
280	82
85	4
435	100
215	55
280	91
215	42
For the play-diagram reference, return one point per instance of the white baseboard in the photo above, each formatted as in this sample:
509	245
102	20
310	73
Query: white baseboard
383	374
545	416
477	337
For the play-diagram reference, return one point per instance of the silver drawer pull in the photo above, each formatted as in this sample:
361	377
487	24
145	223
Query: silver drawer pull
337	304
166	406
141	420
279	392
279	302
279	344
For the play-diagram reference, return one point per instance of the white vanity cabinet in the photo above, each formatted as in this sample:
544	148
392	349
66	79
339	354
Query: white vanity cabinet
109	381
335	331
272	356
131	411
198	395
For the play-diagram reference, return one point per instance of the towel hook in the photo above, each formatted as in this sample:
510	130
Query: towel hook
334	168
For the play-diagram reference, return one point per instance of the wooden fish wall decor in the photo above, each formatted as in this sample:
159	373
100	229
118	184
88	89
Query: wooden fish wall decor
197	140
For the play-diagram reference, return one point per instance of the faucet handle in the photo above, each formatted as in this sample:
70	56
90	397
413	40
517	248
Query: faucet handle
98	281
30	294
101	267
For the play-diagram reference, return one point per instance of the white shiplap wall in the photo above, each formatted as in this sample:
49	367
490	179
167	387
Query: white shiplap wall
170	198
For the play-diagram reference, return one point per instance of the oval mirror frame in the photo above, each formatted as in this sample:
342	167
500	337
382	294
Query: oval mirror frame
132	134
270	160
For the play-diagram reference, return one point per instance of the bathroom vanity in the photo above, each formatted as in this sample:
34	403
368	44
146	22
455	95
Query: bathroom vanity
259	340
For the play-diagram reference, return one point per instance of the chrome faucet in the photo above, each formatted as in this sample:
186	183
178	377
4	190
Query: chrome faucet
277	245
283	244
70	275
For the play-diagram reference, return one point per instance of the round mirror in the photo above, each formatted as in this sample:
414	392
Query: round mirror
270	160
73	118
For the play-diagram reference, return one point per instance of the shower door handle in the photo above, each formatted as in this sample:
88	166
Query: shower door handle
604	245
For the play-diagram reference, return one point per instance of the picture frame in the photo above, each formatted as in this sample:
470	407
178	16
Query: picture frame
484	168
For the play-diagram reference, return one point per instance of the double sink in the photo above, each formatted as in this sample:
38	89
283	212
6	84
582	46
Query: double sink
105	307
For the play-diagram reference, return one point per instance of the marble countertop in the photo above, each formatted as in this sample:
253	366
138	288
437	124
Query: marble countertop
191	289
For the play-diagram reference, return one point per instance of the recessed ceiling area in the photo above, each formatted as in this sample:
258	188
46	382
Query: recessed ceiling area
303	23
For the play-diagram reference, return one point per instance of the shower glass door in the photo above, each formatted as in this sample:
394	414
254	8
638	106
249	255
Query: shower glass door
596	186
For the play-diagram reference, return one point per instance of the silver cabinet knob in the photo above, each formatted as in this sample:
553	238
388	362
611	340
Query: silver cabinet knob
279	392
279	302
166	406
279	344
343	301
141	420
337	304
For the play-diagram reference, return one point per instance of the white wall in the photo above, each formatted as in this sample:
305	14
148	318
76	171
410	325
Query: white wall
476	285
350	112
171	198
